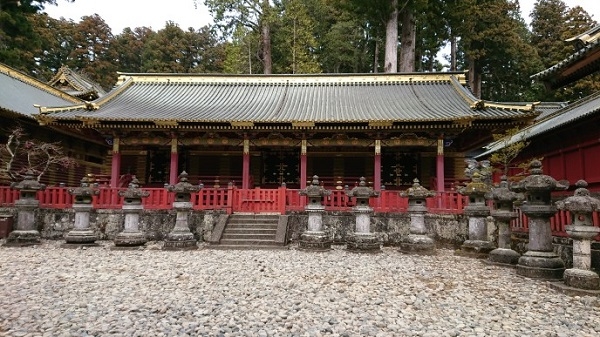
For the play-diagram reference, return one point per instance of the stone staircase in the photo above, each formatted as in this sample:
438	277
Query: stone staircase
251	231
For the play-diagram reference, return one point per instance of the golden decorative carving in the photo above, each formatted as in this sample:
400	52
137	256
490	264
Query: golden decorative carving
174	145
246	146
116	141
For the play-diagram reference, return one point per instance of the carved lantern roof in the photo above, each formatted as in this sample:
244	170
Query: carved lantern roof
502	194
183	186
475	187
28	184
362	191
134	191
417	191
538	182
581	201
314	189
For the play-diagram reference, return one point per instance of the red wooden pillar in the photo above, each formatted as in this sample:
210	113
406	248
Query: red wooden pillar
174	167
303	164
377	169
440	165
246	165
115	165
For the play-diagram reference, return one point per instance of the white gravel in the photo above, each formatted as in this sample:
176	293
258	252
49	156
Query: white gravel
50	291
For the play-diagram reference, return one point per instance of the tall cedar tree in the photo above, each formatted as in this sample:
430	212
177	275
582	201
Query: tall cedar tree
294	38
93	54
257	15
552	22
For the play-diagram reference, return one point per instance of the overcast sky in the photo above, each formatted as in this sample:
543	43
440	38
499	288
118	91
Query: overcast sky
119	14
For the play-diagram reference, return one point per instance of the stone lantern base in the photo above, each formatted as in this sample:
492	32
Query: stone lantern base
417	244
180	241
541	265
22	238
476	248
316	241
80	237
503	257
582	279
363	243
126	240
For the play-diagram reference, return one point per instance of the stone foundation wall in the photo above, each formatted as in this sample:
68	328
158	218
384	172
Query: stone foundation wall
447	230
156	224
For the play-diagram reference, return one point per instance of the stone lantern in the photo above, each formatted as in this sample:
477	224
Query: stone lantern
82	234
417	241
582	206
362	240
26	233
477	211
181	238
314	238
540	261
504	212
131	236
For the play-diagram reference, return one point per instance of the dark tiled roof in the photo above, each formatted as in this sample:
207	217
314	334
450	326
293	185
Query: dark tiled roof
19	93
569	114
290	98
76	84
587	47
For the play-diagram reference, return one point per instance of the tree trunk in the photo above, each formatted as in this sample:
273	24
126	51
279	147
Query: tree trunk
391	41
266	52
266	37
474	78
453	65
407	42
376	58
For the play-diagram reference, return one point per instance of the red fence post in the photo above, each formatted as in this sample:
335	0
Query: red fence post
281	197
230	199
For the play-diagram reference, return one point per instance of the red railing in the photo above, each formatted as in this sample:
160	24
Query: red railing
558	222
234	199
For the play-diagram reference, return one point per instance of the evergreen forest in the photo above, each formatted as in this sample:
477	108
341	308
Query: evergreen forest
488	38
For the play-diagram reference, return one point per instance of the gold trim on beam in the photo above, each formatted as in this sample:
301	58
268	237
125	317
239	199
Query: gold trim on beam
90	122
44	119
380	123
242	124
341	142
309	79
208	141
303	124
170	122
407	142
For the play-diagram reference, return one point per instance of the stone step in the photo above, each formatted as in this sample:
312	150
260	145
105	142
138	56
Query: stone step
252	221
244	226
247	247
247	236
250	242
250	230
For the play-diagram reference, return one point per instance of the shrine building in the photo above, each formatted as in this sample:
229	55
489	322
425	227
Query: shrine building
268	130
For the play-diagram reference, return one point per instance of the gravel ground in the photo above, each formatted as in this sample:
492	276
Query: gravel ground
50	291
